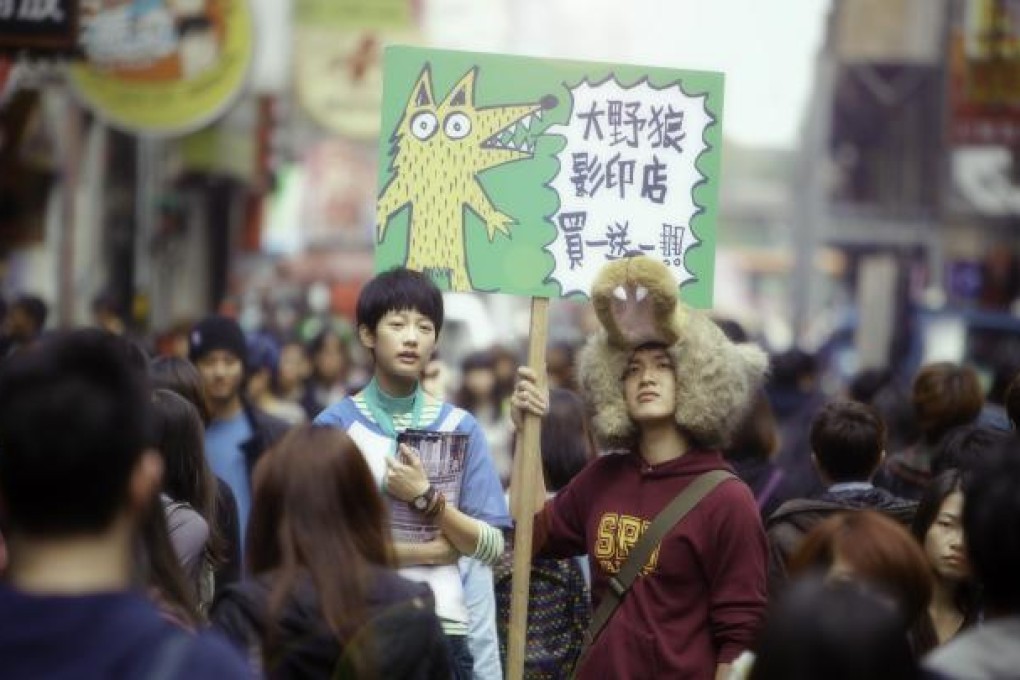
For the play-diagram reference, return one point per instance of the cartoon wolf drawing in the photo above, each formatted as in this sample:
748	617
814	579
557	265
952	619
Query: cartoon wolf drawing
439	149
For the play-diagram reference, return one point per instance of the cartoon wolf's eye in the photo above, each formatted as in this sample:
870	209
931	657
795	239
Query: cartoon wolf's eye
457	126
424	125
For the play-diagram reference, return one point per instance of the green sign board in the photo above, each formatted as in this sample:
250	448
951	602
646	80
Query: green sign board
524	176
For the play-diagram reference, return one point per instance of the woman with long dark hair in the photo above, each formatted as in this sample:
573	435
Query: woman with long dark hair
190	486
180	376
324	600
938	528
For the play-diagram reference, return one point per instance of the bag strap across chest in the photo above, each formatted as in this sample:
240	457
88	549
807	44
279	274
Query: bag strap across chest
667	518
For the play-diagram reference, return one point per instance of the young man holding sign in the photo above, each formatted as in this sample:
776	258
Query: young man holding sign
399	316
669	388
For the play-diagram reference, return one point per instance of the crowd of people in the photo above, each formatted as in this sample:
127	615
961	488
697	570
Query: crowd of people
247	507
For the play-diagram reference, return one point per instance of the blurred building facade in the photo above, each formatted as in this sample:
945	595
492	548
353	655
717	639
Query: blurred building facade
919	215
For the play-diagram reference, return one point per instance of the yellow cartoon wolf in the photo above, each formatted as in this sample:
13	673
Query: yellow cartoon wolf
438	151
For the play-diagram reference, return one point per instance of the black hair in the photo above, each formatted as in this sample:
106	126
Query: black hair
788	368
869	382
1012	402
179	375
991	524
318	343
966	595
179	435
964	447
838	631
34	307
478	361
396	290
73	425
847	438
566	439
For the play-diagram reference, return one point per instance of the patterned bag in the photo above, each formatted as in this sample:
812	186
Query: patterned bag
559	610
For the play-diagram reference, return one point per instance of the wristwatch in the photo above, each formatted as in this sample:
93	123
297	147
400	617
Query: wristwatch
421	503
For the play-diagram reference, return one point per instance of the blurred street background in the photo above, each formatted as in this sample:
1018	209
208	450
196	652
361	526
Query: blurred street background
869	205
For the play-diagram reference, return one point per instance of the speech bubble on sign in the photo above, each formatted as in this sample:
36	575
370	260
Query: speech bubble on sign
627	178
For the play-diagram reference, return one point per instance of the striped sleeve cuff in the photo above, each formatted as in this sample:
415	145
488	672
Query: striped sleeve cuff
490	544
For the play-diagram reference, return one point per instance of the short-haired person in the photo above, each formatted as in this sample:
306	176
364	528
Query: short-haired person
945	396
399	316
668	390
76	481
848	445
991	527
237	433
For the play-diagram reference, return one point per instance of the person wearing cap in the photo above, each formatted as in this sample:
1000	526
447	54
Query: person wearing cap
668	389
238	432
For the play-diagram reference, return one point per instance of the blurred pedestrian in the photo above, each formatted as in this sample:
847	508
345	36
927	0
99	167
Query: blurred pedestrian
793	391
991	528
1005	368
182	378
77	482
1012	404
330	356
559	365
938	527
263	364
292	371
24	322
559	600
750	453
965	447
820	630
238	433
869	548
317	508
945	396
478	396
190	489
848	445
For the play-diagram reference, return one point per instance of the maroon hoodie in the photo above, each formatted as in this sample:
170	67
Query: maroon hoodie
702	596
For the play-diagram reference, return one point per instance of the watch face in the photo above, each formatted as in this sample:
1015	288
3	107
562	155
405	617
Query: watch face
420	503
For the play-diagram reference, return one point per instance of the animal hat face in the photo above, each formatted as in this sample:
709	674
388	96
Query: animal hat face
636	302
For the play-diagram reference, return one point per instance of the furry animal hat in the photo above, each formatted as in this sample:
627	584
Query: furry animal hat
636	301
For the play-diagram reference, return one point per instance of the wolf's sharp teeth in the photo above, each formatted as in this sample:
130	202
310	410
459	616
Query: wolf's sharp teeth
510	145
526	123
538	114
525	147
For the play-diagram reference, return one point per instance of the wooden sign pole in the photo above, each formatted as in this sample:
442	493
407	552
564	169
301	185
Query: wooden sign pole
528	465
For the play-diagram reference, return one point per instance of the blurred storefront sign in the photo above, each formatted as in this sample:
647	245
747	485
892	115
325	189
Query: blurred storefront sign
326	201
156	67
338	46
39	28
984	62
890	31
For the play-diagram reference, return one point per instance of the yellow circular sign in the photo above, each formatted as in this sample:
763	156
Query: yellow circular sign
161	67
